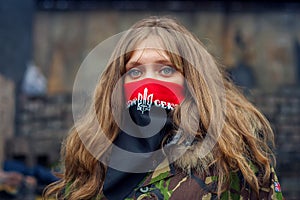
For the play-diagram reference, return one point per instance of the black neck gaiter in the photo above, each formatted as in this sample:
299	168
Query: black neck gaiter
119	184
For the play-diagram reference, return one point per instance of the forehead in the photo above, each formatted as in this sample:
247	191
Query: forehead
150	48
164	49
151	42
148	55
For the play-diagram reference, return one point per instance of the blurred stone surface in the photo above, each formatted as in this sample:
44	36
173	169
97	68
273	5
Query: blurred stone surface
7	112
43	122
263	41
282	109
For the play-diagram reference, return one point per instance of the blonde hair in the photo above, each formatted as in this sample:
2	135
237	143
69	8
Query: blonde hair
245	132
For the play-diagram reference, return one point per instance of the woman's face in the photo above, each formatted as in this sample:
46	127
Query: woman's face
149	62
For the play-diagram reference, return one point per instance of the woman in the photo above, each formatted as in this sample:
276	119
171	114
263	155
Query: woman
209	142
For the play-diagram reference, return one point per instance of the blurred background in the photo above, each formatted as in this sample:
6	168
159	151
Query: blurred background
43	43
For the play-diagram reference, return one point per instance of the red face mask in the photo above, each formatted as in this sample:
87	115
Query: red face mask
147	92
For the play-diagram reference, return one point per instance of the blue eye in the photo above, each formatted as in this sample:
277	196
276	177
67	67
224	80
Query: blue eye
134	73
167	70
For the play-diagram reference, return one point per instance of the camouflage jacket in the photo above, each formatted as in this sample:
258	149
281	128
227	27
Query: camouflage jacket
170	183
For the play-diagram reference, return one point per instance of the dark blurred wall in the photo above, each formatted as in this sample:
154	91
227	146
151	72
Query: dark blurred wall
16	20
16	36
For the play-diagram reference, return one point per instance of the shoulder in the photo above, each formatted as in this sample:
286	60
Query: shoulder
239	188
172	183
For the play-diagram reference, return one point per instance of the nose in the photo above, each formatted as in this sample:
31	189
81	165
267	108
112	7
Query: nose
150	73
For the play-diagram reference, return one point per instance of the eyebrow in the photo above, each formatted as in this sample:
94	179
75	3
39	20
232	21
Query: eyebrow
133	64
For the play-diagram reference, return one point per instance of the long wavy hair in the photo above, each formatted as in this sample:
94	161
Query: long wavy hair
244	138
